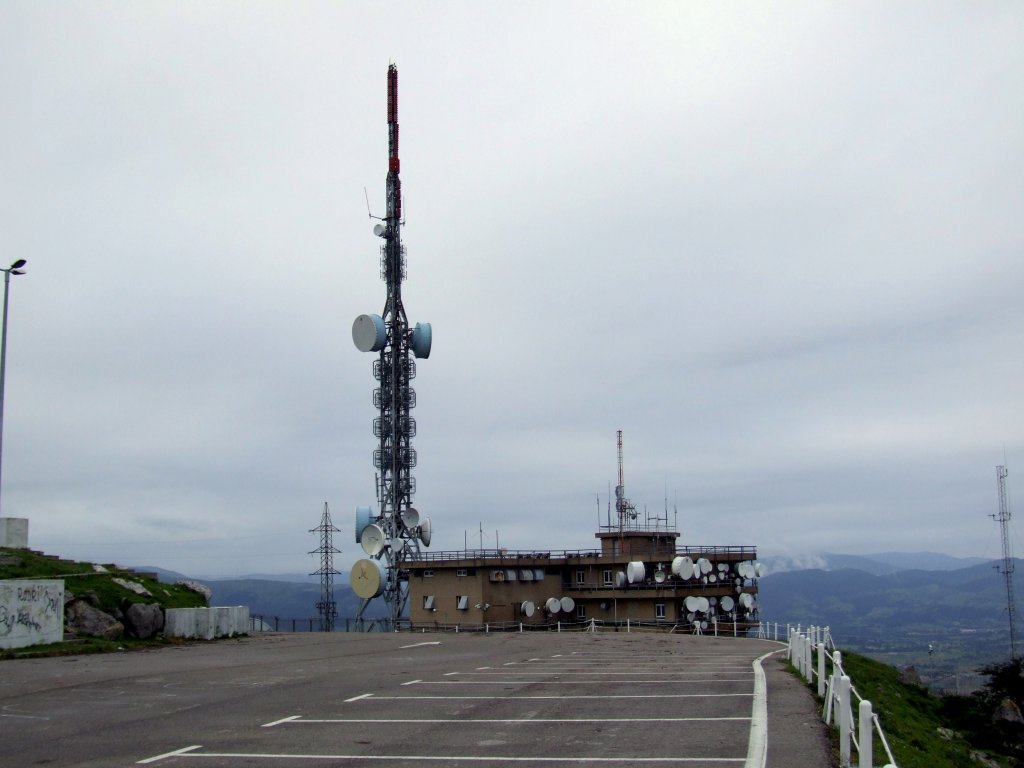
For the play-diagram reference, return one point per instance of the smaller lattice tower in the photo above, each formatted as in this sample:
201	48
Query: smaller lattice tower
624	508
326	606
1003	518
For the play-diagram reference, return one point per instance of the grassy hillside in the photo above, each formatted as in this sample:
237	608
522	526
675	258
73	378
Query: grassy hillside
83	579
912	719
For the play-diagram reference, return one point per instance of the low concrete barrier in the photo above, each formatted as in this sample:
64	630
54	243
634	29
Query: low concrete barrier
31	612
206	623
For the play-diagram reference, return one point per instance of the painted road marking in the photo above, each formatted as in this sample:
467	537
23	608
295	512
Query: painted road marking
528	721
571	682
605	696
282	720
357	698
175	753
445	758
418	645
757	747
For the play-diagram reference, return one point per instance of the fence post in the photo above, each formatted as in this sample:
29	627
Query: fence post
808	660
821	670
520	627
864	737
844	715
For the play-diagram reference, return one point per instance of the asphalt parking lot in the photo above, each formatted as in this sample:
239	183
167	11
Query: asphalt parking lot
414	700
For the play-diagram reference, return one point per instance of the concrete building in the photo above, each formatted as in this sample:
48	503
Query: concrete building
640	575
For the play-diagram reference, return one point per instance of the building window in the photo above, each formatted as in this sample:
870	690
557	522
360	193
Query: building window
462	602
461	572
606	576
581	577
427	574
428	602
659	610
581	611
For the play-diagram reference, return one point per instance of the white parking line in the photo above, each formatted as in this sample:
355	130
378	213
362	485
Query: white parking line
733	670
175	753
446	758
519	721
419	645
357	698
282	720
584	696
574	682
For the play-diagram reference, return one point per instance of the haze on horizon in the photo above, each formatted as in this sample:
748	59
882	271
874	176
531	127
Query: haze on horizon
779	246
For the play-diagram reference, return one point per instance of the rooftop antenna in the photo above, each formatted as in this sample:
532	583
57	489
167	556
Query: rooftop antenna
326	606
1003	518
394	536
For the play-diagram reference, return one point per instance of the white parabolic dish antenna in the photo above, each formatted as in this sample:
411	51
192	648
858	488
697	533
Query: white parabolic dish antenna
568	604
411	517
746	599
620	578
379	230
727	603
692	603
527	608
676	564
554	605
705	565
369	333
372	539
363	518
367	577
635	572
426	531
659	576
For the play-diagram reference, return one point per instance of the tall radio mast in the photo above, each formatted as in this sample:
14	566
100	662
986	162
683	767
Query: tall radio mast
1003	518
394	535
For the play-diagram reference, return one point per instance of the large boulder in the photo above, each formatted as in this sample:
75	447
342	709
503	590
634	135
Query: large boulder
144	620
83	619
198	588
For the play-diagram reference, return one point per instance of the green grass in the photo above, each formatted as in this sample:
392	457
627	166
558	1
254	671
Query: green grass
911	718
82	579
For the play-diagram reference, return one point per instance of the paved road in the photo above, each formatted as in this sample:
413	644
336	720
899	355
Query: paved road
487	700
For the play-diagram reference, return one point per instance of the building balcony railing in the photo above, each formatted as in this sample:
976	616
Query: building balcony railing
711	552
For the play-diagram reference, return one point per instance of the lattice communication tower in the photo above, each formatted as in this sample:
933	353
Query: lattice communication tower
392	536
1003	518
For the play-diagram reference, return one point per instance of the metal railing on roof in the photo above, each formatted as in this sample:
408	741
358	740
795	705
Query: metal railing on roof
710	551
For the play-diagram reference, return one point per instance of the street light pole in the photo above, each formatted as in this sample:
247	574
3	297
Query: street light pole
14	269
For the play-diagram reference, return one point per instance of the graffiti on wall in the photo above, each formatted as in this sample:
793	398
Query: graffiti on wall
31	612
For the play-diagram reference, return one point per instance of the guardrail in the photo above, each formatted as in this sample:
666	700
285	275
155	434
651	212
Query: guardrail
838	692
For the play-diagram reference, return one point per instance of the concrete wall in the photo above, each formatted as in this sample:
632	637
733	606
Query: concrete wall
206	623
14	532
31	612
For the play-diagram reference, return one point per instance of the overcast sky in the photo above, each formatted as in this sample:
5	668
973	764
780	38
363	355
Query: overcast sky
780	246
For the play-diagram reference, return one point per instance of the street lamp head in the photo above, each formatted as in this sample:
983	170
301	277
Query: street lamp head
17	272
19	264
